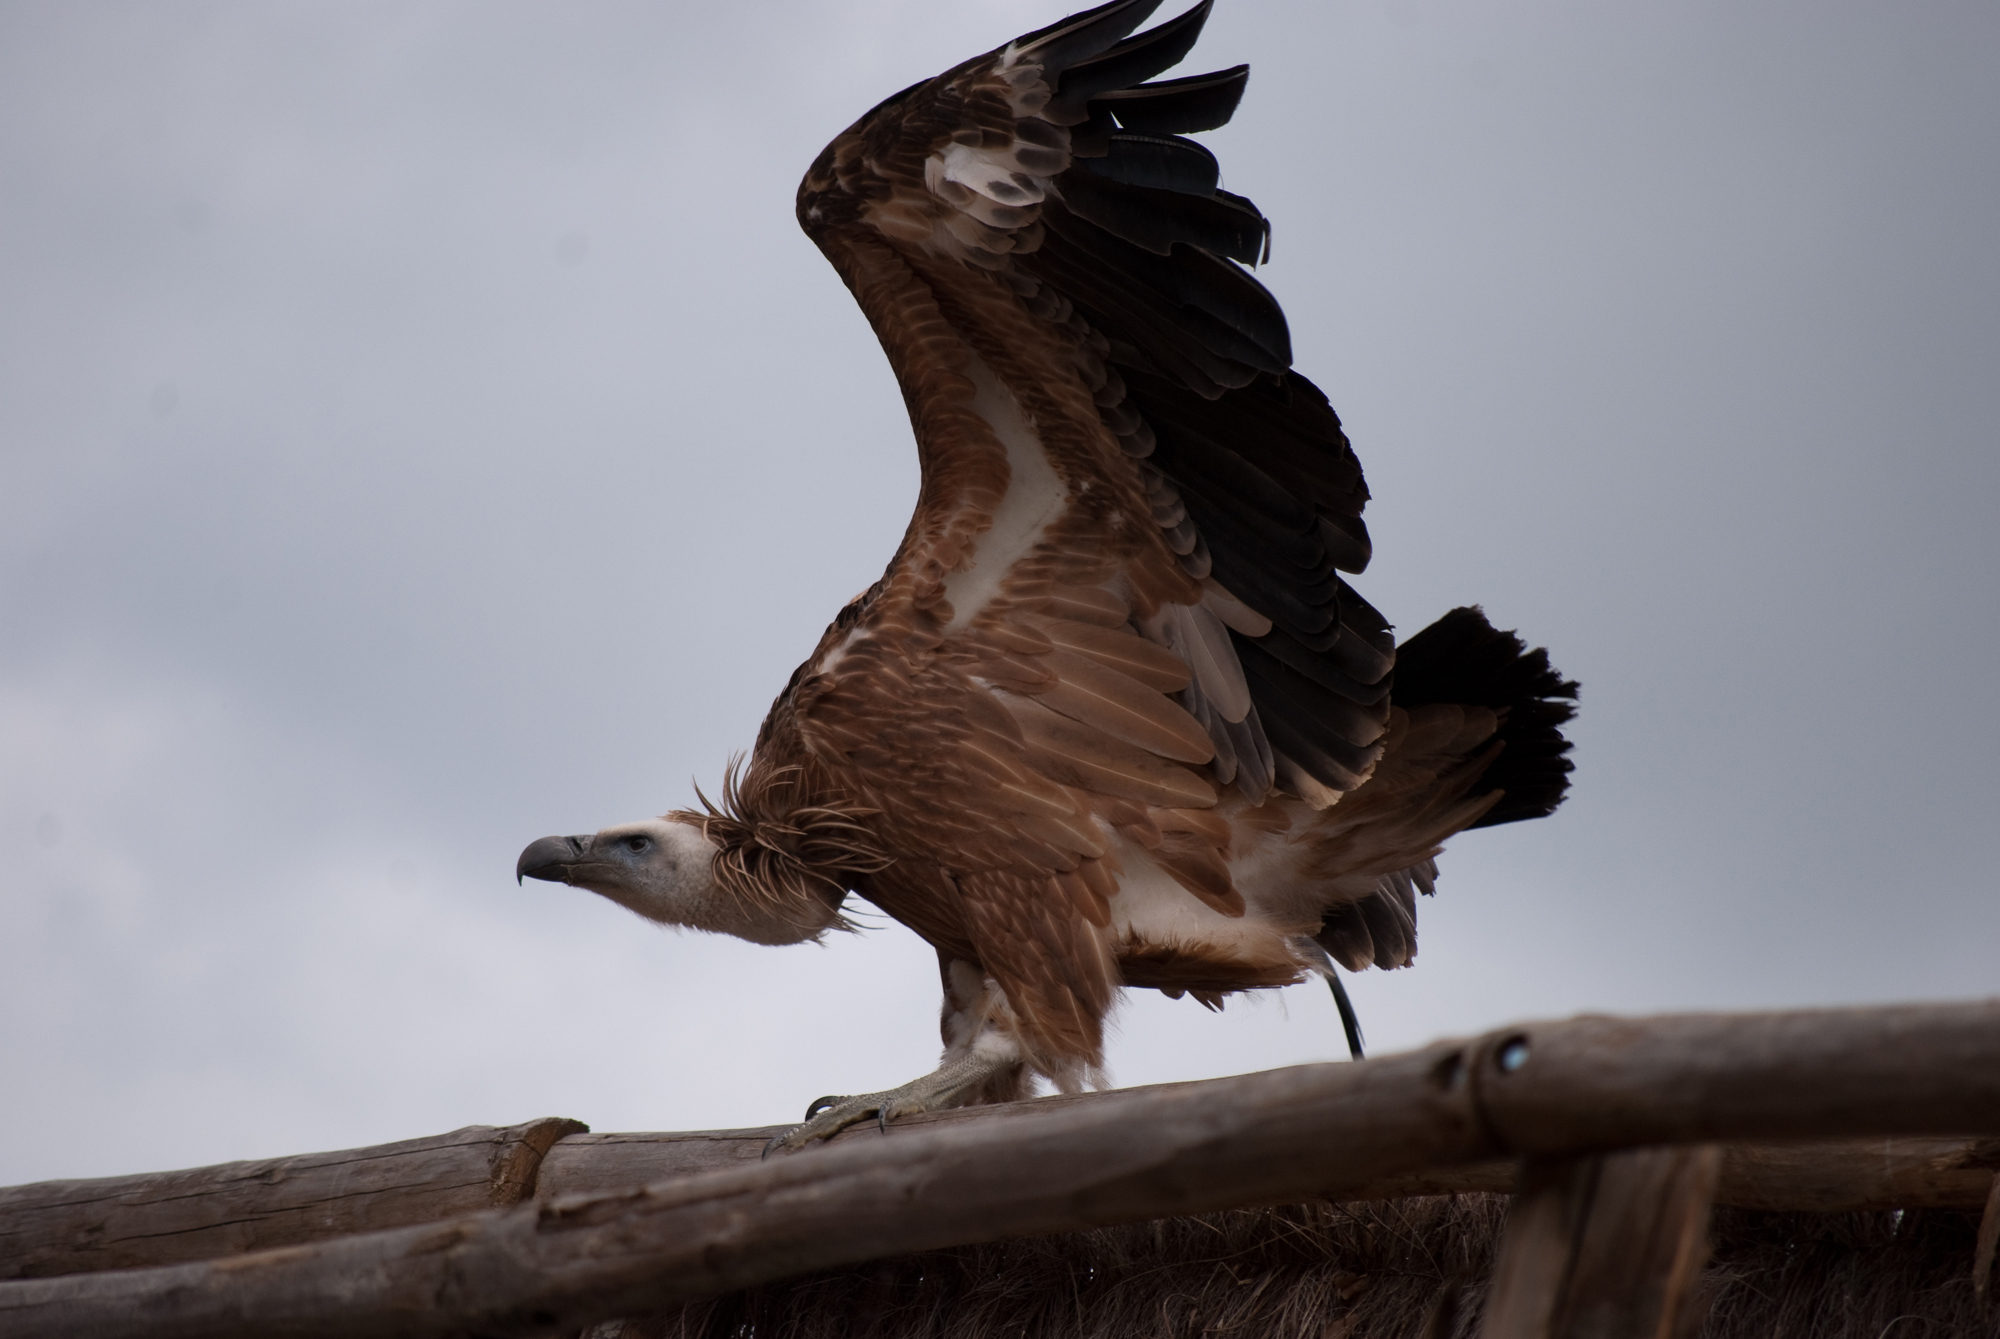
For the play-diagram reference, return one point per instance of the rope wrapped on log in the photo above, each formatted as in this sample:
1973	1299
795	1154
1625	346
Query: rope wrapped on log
1544	1089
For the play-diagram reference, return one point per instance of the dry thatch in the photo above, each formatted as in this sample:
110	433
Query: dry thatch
1404	1269
1867	1275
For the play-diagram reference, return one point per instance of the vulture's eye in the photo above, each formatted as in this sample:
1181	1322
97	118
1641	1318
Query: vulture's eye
637	845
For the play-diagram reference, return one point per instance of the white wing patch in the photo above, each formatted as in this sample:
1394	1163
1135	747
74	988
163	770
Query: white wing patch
992	193
997	176
1036	497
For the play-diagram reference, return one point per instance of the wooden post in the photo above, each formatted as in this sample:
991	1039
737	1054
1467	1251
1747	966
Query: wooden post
1989	1237
1605	1246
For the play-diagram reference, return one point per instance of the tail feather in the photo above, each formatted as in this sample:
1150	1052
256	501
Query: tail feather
1462	658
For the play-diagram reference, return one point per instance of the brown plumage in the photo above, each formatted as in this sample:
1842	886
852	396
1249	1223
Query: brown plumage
1112	716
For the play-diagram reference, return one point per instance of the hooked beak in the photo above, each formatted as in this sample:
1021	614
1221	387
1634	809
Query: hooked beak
551	858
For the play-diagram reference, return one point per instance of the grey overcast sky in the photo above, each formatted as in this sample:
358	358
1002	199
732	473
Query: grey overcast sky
423	428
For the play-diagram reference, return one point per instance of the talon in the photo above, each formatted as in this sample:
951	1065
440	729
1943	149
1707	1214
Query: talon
828	1116
777	1141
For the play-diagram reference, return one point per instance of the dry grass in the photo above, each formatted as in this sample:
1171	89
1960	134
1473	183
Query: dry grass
1864	1275
1406	1269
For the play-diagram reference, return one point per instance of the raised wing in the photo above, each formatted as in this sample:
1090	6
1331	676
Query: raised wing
1052	166
1120	593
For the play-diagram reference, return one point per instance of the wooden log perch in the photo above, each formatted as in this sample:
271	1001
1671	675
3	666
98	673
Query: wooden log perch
1816	1176
122	1222
1541	1090
128	1222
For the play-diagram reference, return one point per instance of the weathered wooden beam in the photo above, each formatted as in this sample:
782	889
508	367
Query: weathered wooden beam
1554	1089
1604	1246
123	1222
1854	1175
597	1164
1819	1176
203	1213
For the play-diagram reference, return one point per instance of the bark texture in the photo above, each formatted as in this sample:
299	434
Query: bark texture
125	1222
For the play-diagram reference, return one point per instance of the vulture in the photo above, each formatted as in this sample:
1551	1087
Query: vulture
1113	716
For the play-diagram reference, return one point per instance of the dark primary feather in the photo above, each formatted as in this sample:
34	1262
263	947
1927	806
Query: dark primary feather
1164	162
1157	220
1287	431
1153	324
1131	61
1367	685
1311	726
1176	287
1257	485
1177	106
1255	457
1083	35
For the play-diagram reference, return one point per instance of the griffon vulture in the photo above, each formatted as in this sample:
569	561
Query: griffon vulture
1113	716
